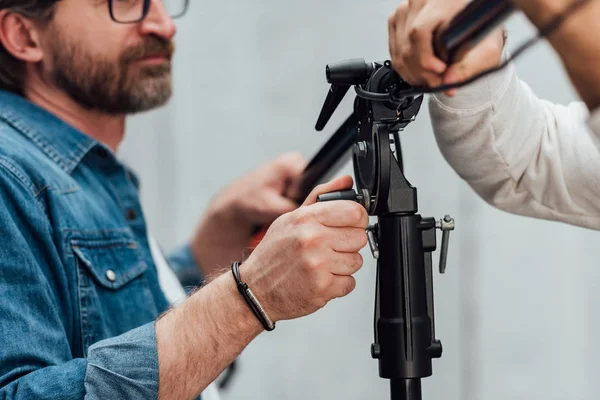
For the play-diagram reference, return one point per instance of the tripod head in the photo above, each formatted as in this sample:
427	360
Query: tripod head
393	115
402	241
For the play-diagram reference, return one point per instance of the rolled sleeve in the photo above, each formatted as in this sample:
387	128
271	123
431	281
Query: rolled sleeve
124	367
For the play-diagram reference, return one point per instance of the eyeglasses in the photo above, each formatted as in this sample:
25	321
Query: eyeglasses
132	11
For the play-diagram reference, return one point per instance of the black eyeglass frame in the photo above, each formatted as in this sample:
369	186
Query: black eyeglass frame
145	10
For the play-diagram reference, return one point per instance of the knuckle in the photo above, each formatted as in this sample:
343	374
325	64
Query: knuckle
303	216
392	19
363	239
355	213
313	264
425	61
358	261
365	220
307	239
320	302
320	285
350	286
406	55
414	33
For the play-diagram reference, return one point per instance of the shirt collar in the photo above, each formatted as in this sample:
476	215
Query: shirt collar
62	143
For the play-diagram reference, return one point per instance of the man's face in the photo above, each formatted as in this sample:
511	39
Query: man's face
106	66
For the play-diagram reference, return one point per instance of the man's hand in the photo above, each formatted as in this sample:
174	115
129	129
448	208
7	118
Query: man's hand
253	200
308	256
411	33
306	259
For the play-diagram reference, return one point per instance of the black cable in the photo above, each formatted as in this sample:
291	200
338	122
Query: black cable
543	33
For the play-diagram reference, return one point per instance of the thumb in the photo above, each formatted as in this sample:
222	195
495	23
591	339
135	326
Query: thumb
342	183
454	74
291	165
473	61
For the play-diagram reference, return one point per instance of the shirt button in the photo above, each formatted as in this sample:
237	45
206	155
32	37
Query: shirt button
111	276
131	214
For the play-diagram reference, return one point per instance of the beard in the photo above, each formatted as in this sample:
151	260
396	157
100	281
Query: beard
108	86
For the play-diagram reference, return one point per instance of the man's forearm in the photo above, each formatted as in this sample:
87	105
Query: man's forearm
200	338
576	42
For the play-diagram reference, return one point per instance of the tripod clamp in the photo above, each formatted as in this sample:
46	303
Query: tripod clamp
401	241
446	224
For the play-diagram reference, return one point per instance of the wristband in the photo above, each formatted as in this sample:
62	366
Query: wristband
250	299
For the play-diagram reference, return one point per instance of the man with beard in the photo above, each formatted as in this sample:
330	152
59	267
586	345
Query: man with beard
84	291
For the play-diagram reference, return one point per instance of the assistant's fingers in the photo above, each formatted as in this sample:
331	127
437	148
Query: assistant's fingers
421	36
396	24
291	165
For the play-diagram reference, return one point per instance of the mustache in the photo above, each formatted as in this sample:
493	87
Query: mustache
153	45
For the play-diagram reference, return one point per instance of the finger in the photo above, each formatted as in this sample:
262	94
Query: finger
472	61
421	36
431	79
291	165
414	8
392	42
451	92
339	214
345	264
342	286
342	183
346	240
396	23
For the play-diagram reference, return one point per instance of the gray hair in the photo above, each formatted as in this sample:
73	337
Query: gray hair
12	70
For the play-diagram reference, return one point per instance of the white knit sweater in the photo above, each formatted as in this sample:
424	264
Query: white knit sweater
522	154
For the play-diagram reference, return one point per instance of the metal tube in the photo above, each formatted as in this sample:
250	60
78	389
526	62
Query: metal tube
406	389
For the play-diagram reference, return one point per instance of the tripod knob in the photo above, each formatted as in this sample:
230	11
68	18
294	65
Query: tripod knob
363	198
436	349
446	225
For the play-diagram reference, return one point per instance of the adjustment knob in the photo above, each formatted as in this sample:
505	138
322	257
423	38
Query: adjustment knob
435	350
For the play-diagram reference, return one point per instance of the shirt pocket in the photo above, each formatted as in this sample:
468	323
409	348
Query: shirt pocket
113	291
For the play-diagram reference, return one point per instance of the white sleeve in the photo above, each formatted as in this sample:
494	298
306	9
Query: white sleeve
521	154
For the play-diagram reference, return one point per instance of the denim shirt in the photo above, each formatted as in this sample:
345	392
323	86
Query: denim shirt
79	290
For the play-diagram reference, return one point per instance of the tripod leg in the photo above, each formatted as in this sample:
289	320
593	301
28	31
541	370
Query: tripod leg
406	389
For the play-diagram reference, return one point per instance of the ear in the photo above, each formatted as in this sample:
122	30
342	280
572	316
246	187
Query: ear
20	37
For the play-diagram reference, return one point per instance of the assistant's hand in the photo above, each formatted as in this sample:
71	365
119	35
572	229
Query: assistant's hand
308	256
253	200
411	34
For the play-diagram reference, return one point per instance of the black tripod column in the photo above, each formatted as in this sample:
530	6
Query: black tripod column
405	343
